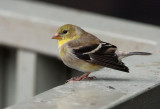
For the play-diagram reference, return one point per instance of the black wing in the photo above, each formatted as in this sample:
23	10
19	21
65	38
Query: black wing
101	54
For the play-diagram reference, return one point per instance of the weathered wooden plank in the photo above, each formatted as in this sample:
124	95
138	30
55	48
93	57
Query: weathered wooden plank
148	100
25	75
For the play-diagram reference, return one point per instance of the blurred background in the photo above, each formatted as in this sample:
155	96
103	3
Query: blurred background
146	11
25	70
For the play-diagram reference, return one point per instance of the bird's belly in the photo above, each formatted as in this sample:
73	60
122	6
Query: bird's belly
80	65
88	67
72	61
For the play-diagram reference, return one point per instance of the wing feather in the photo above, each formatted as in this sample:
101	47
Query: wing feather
108	61
103	55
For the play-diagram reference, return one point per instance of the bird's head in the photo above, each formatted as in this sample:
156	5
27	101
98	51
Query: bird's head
67	32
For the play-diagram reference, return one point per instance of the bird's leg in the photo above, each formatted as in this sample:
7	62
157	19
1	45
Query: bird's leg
84	76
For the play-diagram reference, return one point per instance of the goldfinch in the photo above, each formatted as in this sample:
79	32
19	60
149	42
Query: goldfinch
83	51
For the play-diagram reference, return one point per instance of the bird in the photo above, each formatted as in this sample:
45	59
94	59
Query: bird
85	52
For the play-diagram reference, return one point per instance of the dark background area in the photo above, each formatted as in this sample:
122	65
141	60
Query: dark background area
147	11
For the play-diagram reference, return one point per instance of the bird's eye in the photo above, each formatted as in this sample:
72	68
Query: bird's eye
64	32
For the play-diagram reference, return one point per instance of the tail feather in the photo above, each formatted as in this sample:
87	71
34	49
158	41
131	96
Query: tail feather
123	54
138	53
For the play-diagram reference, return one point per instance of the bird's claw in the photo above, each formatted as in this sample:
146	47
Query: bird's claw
89	78
73	79
79	79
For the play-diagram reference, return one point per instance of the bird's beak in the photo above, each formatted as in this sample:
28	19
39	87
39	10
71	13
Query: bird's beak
56	36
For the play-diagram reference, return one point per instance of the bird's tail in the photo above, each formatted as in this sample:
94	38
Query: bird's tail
123	54
138	53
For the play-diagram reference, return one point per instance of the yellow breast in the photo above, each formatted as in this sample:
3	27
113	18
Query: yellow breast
65	40
61	42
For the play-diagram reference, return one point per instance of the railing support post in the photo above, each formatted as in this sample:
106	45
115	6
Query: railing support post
25	75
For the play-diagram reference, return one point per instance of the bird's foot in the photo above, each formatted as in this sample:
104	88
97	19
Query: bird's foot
80	78
73	79
83	77
89	78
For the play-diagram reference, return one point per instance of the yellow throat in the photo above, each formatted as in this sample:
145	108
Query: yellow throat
63	41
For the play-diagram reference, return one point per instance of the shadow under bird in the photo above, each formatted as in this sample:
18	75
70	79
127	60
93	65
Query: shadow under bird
85	52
